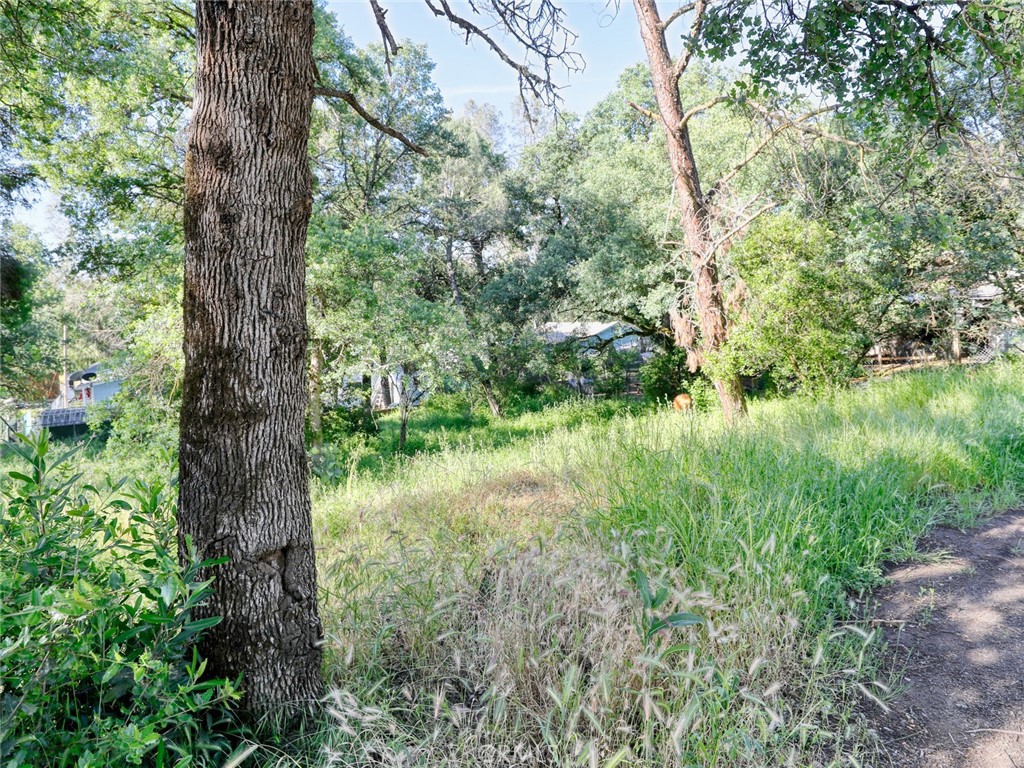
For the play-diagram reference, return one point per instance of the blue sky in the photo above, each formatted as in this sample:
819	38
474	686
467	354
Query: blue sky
609	43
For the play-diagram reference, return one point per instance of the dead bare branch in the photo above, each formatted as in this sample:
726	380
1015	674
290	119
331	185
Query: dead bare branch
391	47
645	112
699	7
536	25
680	11
736	229
701	108
803	126
781	126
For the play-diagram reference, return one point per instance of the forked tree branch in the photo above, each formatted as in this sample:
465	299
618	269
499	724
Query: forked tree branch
538	26
763	144
699	7
350	98
804	127
391	47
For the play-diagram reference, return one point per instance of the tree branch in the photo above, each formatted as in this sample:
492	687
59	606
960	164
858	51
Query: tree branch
349	98
695	26
763	144
538	26
701	108
391	48
723	239
801	124
645	112
680	11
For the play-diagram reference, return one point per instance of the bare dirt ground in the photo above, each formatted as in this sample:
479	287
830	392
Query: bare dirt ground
955	626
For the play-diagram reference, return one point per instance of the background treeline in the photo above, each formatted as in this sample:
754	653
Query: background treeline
832	241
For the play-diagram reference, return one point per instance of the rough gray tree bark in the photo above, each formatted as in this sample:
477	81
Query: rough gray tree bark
695	215
243	475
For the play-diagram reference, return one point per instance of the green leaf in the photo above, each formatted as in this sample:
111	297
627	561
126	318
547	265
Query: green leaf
617	758
660	598
200	624
240	755
639	578
684	619
109	674
674	621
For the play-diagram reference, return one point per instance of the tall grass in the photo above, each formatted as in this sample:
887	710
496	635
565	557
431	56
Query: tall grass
459	637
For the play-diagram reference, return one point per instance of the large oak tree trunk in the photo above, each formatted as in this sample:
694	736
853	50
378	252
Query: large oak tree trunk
694	214
244	489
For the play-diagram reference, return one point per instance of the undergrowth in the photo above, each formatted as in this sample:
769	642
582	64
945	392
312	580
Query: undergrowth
97	666
457	639
602	588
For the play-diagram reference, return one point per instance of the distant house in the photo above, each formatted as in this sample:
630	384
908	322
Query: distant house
386	385
620	336
386	388
66	413
593	338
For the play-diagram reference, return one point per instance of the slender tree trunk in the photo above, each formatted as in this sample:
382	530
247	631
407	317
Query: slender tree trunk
954	330
453	277
385	384
316	403
367	383
403	416
244	491
694	214
492	398
477	244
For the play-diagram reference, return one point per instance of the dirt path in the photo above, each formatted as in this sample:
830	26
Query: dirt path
955	625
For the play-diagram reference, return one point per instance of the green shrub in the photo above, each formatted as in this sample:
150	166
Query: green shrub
456	403
666	375
807	315
97	662
342	422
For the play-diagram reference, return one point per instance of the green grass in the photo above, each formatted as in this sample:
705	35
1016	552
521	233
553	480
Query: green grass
455	636
448	424
522	591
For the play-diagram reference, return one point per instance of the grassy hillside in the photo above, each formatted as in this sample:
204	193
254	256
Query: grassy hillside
456	636
584	585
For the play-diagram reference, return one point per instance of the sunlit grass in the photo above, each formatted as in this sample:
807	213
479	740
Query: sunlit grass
458	639
506	596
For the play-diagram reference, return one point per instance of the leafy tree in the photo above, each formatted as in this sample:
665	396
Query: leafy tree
885	54
802	321
466	210
602	200
365	313
366	184
361	171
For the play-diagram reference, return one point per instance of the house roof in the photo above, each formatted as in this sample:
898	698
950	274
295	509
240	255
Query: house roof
559	332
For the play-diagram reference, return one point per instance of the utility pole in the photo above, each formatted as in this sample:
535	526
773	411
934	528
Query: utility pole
64	375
